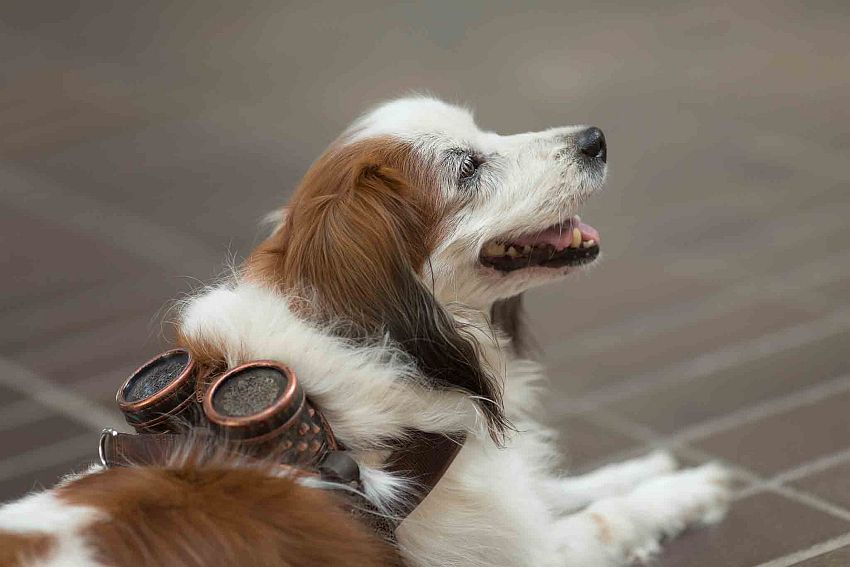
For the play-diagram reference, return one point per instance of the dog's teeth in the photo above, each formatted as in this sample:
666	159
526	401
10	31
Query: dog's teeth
576	238
512	252
526	249
588	243
494	249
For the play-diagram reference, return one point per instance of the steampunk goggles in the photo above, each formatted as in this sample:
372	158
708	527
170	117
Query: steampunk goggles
258	407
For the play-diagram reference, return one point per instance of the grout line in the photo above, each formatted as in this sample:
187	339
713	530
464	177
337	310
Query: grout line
56	397
779	481
21	413
761	410
709	363
810	500
776	285
107	382
812	467
624	426
48	455
162	245
42	318
795	495
748	414
814	551
645	434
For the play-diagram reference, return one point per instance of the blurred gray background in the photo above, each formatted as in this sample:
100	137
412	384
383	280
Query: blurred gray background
140	144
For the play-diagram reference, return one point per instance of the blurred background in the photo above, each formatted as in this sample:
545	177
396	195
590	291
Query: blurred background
141	143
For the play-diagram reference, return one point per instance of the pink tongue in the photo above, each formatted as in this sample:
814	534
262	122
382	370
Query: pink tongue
559	237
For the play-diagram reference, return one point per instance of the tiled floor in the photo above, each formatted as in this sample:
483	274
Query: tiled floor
140	148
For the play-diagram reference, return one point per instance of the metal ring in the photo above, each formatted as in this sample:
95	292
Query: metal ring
101	447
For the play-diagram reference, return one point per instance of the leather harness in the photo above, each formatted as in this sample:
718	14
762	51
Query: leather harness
290	430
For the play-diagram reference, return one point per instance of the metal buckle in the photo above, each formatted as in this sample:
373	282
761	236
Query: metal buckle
101	447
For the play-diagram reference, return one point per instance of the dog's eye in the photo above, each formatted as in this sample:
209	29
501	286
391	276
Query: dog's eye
468	167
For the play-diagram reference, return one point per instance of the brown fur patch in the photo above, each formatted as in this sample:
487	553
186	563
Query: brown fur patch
207	517
351	190
362	213
19	550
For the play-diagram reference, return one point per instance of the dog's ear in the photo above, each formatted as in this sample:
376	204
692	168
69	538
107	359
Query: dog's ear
274	221
357	250
508	316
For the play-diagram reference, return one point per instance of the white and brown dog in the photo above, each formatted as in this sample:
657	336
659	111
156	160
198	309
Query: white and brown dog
391	286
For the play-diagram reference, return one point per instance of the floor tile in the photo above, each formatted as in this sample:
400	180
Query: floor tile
832	484
757	529
822	237
837	558
583	443
839	291
616	290
12	488
787	440
8	396
162	186
54	258
46	431
56	318
728	130
676	406
586	373
77	356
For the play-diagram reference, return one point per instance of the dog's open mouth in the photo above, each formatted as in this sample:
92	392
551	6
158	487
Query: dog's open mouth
571	243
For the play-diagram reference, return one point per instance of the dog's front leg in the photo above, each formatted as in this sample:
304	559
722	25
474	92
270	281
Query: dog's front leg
574	493
623	529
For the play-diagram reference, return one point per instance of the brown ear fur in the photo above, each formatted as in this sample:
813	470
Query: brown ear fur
356	237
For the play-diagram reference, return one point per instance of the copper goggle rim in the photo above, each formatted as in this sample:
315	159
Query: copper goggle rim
168	391
282	402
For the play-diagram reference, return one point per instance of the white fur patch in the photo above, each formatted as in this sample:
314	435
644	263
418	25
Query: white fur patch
369	394
44	513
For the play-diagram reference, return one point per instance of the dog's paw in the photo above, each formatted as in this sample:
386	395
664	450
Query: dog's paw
713	493
644	553
632	527
659	462
692	497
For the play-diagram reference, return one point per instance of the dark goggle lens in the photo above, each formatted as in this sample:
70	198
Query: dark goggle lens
155	376
249	392
262	409
159	391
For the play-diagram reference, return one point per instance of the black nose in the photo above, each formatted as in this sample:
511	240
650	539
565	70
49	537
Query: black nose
591	143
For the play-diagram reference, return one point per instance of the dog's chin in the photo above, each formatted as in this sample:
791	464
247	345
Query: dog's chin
540	253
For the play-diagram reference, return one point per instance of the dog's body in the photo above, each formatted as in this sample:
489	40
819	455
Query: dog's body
389	286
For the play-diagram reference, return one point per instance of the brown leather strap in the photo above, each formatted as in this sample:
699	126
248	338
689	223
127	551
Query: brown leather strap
424	459
157	449
126	450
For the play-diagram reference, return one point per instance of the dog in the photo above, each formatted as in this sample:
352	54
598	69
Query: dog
391	284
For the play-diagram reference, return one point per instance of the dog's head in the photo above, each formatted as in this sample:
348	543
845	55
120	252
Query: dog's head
502	206
414	207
